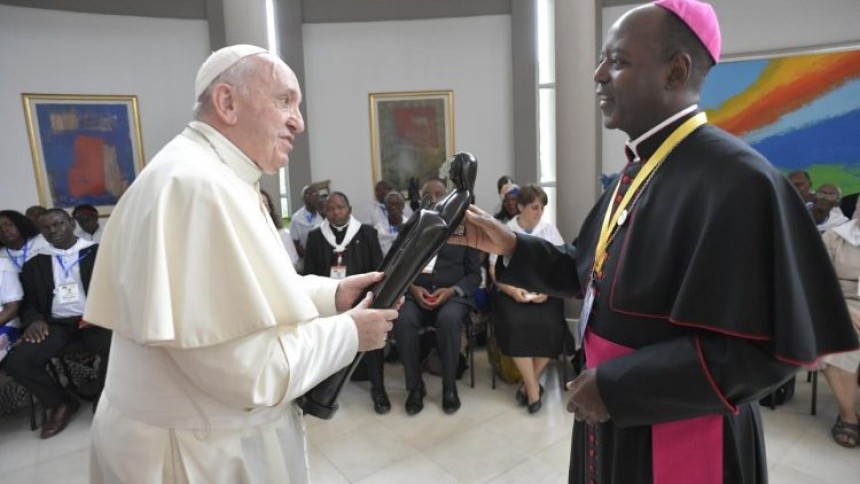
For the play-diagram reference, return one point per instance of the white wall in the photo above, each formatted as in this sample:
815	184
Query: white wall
345	62
48	51
750	27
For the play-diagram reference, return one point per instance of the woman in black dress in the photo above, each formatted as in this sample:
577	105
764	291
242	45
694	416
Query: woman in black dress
530	327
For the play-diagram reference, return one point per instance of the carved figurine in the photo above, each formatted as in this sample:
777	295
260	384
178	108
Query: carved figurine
419	240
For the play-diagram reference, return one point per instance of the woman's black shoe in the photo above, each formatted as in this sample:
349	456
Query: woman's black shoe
522	399
381	403
535	407
521	396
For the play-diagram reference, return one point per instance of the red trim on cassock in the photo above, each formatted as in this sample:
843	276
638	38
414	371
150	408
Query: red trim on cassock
734	409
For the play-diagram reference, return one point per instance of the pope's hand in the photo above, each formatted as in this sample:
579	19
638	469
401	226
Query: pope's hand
352	287
483	232
373	325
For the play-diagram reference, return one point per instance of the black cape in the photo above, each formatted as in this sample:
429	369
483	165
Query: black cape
720	284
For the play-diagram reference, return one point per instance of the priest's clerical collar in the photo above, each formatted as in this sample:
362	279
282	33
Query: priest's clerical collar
644	146
227	152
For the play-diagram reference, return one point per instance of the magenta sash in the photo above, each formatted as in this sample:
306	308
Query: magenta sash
683	451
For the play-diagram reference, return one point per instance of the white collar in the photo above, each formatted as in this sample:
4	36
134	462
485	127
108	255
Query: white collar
514	224
849	231
634	145
78	246
351	230
227	152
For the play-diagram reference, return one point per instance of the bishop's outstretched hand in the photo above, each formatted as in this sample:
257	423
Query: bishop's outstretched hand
483	232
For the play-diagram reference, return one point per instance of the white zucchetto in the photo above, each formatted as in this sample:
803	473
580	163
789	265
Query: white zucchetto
220	61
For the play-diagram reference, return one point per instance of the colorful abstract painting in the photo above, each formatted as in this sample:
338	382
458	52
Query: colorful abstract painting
86	149
802	112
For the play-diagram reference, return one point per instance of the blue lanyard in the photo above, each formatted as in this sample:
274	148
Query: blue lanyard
68	270
14	259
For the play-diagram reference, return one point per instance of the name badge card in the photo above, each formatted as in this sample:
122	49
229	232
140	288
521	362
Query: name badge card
68	293
587	303
338	272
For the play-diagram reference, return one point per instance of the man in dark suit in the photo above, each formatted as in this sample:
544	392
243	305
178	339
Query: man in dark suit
55	286
440	297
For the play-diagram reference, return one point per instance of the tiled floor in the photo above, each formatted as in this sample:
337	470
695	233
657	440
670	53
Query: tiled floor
490	440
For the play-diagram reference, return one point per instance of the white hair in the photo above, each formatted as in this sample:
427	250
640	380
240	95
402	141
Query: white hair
238	76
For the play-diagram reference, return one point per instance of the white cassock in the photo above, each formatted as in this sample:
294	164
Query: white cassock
214	332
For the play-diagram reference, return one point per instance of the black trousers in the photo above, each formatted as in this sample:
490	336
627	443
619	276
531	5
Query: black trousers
26	363
447	320
374	361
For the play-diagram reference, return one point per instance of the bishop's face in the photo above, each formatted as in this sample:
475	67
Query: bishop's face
631	74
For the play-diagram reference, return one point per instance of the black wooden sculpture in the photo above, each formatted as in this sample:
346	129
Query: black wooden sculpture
419	240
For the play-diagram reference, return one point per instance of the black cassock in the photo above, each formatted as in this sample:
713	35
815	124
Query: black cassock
717	288
362	254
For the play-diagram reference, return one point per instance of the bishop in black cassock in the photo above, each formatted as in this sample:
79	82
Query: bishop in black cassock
705	283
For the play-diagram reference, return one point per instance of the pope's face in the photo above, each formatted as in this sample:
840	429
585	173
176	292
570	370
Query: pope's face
268	115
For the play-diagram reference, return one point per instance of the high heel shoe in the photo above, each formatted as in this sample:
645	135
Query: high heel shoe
521	396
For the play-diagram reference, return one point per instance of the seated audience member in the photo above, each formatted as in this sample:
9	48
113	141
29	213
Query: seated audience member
378	211
305	219
55	293
501	182
286	239
11	294
20	239
530	327
34	212
509	208
89	228
825	208
803	184
388	228
342	246
439	297
840	369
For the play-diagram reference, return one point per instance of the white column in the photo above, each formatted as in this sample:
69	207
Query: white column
577	121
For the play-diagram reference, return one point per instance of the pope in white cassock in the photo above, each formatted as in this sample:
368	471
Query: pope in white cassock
215	334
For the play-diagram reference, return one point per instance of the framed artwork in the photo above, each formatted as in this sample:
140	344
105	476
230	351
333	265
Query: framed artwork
411	135
86	149
800	110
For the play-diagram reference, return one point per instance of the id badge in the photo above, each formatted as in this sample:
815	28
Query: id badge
428	269
68	293
587	303
338	272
